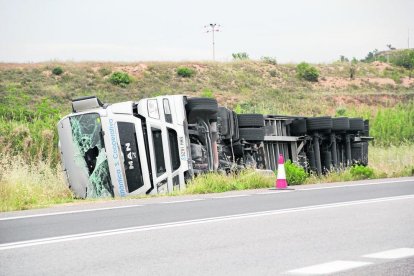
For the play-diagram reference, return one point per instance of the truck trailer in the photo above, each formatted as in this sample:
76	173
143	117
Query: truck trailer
156	145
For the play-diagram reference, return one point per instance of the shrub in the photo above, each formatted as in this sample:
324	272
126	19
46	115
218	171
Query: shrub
57	71
340	111
104	71
185	72
207	93
307	72
269	60
295	174
362	172
273	73
240	56
120	78
404	59
343	59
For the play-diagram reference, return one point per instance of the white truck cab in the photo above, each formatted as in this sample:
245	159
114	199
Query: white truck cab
125	148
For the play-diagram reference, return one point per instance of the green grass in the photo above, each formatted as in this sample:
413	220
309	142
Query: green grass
218	183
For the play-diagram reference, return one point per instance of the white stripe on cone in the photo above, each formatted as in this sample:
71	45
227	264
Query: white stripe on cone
281	174
281	182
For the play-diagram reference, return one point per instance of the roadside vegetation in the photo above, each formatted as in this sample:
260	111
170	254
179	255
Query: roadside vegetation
34	96
218	183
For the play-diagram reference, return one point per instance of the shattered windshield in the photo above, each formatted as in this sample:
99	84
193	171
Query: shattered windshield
90	153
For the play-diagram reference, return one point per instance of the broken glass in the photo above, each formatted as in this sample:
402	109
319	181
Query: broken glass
90	155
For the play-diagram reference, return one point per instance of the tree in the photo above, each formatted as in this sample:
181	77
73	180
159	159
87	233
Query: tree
240	56
343	58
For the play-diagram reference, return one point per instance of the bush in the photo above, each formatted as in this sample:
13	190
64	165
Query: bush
361	172
295	174
307	72
207	93
185	72
404	59
120	78
273	73
340	111
57	71
104	71
269	60
240	56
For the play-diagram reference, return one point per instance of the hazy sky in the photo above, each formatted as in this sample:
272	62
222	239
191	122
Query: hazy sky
127	30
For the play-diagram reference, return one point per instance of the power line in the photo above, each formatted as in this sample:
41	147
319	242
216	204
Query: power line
213	28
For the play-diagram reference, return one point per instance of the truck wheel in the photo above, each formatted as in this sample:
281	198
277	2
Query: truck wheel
235	125
319	123
356	124
340	124
205	105
223	115
250	120
202	106
238	150
298	127
326	161
252	134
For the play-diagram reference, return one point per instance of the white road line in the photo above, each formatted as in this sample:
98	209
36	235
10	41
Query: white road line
70	212
88	235
355	185
392	254
181	201
275	192
230	196
328	268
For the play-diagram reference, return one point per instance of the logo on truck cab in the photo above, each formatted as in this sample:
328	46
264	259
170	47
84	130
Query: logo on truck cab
130	155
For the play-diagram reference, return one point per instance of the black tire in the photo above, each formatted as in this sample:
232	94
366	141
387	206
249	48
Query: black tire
357	151
238	150
223	115
340	124
366	127
326	161
204	108
252	134
319	123
235	124
356	124
250	120
298	127
202	105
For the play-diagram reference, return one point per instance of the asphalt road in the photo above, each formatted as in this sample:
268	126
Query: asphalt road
363	228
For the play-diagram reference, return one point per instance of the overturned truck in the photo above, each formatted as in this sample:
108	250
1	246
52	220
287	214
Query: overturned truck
157	144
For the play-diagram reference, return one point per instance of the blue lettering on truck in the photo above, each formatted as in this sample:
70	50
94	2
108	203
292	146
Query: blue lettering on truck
115	156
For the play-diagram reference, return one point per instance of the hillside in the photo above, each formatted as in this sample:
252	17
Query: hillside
254	85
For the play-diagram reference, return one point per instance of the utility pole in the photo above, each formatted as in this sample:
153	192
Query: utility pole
212	28
408	38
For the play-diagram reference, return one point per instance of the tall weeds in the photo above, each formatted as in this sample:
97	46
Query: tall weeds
25	184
